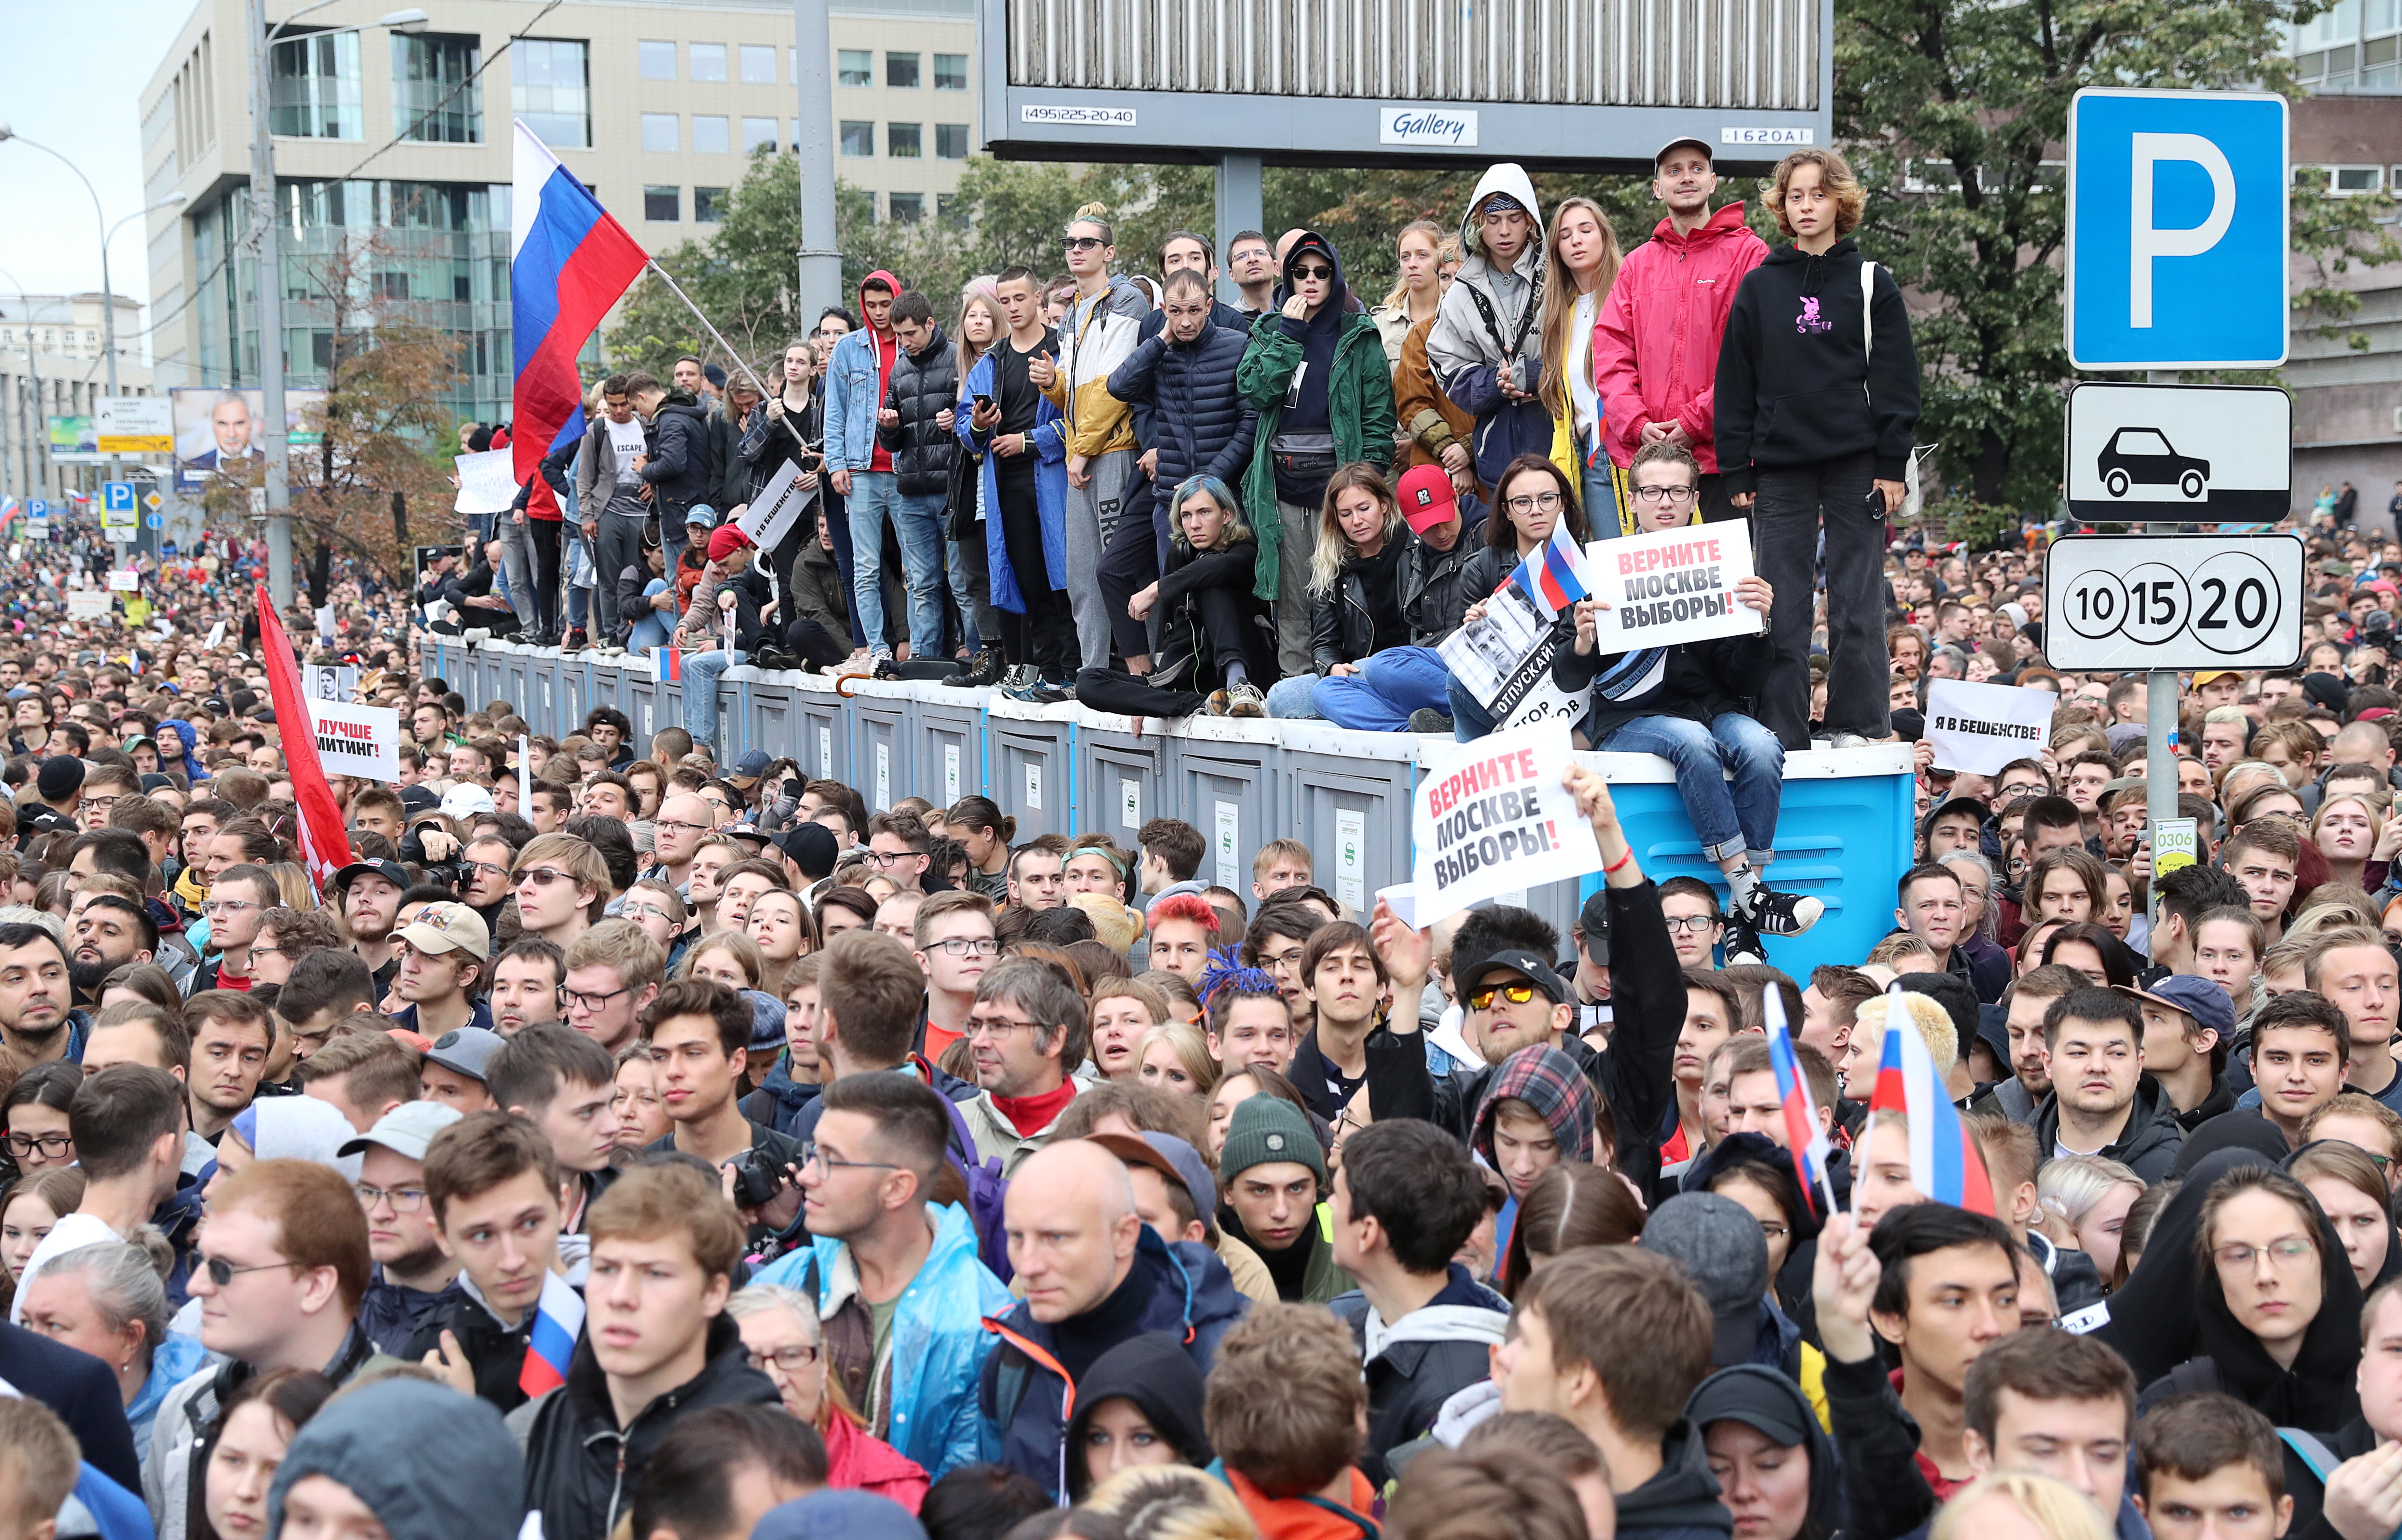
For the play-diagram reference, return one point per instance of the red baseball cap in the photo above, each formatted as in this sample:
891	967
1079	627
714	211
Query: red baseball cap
1426	498
726	539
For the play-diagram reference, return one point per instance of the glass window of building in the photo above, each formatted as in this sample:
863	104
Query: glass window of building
758	64
663	205
658	59
909	208
905	141
659	135
901	71
708	61
950	72
951	141
855	67
709	205
756	132
436	98
313	88
709	135
858	139
550	87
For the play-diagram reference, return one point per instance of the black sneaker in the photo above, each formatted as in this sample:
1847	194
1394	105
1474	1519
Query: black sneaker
1777	914
1053	692
1742	942
986	671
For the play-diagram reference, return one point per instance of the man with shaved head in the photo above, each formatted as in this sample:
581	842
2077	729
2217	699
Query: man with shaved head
677	831
1094	1275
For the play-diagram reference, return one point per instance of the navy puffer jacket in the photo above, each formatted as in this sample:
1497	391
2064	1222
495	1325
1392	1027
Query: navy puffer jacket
924	384
1201	424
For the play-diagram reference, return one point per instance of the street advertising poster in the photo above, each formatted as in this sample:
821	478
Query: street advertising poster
357	740
1672	585
221	430
136	425
1503	658
1980	728
1491	817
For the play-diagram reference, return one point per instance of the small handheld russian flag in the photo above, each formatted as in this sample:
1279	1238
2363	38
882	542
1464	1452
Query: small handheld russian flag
1556	576
550	1342
1803	1136
667	664
1945	1164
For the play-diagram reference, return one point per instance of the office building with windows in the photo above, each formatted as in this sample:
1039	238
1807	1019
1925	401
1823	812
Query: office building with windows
2347	140
393	152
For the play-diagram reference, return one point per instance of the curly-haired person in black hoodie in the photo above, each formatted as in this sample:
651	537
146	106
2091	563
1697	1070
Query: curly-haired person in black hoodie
1817	402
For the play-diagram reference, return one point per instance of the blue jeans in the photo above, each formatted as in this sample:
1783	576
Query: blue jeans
1292	697
1600	500
1730	819
701	671
650	628
875	496
1389	686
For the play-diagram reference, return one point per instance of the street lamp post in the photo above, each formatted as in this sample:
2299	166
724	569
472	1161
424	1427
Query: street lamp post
265	226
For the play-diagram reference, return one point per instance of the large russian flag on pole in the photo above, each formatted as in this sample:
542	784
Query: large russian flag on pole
1945	1164
569	262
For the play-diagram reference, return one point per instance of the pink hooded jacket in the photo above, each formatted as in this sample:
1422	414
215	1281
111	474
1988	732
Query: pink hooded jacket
1655	348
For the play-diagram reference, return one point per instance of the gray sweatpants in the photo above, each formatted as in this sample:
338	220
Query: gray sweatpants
1292	586
1093	511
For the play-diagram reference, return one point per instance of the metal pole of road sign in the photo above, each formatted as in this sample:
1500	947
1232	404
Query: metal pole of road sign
2159	729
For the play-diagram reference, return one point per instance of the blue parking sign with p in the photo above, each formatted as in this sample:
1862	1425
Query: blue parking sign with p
2176	254
118	497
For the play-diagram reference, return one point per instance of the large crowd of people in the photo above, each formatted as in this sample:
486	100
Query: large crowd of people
647	1137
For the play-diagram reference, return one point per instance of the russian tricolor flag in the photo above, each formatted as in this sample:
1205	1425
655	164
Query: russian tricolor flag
550	1340
1945	1164
1556	576
1802	1135
569	263
667	664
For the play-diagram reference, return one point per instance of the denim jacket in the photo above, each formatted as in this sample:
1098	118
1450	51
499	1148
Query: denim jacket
853	391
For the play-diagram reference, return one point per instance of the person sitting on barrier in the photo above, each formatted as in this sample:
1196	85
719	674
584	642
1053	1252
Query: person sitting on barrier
727	586
811	618
1367	674
646	601
474	604
1535	497
1693	705
1212	629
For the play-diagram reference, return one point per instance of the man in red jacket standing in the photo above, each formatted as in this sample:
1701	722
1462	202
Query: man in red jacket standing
1655	349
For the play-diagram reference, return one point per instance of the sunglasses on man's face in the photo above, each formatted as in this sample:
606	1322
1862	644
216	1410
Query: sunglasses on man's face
1515	994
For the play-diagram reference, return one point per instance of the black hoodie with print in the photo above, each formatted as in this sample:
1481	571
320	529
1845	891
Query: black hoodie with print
1796	382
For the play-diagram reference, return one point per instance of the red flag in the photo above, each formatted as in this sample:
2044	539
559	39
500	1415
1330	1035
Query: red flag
325	843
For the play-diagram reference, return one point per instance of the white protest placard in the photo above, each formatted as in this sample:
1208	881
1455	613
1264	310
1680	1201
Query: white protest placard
1673	585
1491	817
488	483
124	580
87	603
1978	728
770	515
217	635
357	740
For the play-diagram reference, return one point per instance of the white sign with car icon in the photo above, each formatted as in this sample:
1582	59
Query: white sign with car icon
2212	453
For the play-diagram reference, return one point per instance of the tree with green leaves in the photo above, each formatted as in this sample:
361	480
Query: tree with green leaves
1955	112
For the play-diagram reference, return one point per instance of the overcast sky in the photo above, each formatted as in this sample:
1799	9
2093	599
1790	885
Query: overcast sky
70	78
